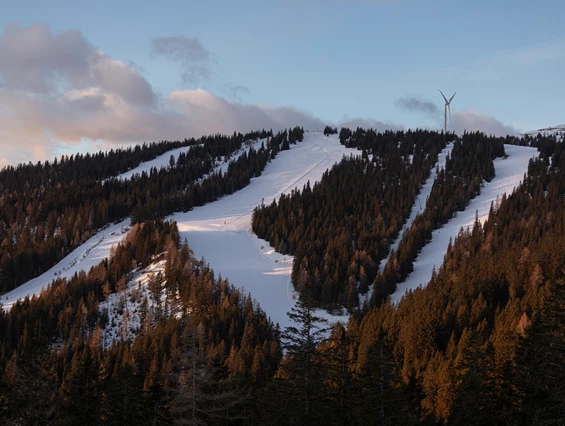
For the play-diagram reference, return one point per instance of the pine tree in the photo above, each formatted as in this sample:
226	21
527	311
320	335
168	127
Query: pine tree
301	370
201	395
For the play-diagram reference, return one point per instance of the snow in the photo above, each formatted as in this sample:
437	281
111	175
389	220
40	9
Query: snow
124	308
87	255
421	200
548	131
160	162
220	231
418	207
163	160
509	173
222	166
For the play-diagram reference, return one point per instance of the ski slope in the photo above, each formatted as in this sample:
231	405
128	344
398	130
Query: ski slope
421	199
87	255
509	173
220	231
548	131
160	162
418	207
163	160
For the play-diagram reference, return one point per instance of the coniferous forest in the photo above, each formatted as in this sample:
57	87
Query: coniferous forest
482	344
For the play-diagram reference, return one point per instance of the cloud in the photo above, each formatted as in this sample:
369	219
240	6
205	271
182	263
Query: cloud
59	93
36	60
236	92
368	123
208	113
471	120
416	104
189	54
57	90
461	121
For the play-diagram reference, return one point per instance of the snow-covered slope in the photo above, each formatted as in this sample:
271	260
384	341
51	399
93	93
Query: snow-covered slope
555	130
509	173
220	231
418	207
421	199
159	162
90	253
163	160
223	164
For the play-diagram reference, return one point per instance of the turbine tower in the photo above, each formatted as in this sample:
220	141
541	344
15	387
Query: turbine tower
447	107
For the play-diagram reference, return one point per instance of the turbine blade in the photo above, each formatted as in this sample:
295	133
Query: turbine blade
452	97
444	97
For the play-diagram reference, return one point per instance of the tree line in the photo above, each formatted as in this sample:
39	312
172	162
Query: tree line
48	210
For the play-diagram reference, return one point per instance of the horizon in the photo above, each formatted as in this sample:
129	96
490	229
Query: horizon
84	78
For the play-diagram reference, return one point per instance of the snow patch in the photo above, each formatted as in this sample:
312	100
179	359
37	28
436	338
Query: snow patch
84	257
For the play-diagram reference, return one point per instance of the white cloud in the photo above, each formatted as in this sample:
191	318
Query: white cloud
208	113
472	120
368	123
57	91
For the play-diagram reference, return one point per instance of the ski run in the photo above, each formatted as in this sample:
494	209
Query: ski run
221	231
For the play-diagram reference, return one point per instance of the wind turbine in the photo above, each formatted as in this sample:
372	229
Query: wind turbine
447	107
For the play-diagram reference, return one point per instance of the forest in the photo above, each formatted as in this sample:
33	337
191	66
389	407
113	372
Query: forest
49	209
482	344
342	227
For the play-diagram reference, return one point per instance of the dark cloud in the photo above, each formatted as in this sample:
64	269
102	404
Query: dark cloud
189	54
416	104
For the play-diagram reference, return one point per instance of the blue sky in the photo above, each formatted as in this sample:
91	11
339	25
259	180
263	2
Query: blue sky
336	60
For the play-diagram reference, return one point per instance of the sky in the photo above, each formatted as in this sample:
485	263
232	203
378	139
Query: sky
79	76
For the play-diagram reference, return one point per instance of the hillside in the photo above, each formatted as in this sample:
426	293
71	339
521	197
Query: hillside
142	304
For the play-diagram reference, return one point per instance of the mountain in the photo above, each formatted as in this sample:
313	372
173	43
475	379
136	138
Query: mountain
164	285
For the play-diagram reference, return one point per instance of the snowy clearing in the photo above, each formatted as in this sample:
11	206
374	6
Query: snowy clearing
509	173
160	162
223	164
220	231
84	257
421	200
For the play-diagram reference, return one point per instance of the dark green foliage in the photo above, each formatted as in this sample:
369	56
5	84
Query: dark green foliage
340	229
482	344
330	130
467	168
143	380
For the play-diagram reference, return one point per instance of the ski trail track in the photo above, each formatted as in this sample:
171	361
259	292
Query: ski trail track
509	173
